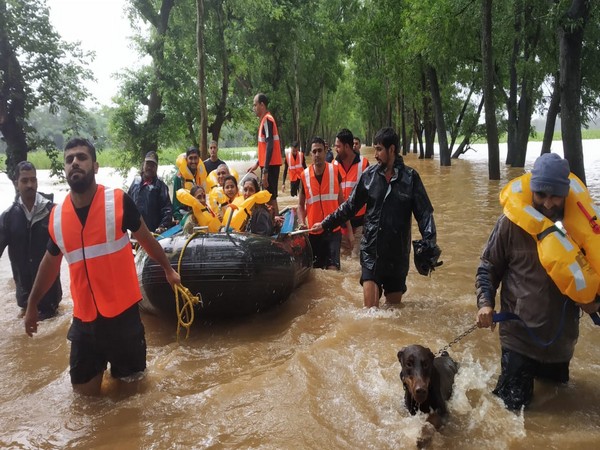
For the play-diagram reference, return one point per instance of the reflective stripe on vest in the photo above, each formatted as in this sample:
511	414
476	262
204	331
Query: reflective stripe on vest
101	266
295	169
262	143
321	198
331	194
111	245
349	183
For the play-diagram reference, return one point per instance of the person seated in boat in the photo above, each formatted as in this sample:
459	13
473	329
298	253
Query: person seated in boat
191	172
231	194
261	220
189	221
216	196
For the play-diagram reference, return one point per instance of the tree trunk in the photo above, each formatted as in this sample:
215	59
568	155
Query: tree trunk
428	124
221	113
456	129
154	117
464	145
553	111
511	103
296	102
405	140
440	122
571	40
12	100
488	91
201	78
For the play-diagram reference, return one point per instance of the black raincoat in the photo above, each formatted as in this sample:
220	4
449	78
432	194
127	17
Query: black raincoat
386	240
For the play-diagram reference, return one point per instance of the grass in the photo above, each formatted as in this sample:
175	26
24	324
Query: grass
112	157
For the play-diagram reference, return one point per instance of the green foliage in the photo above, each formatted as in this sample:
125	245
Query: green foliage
37	69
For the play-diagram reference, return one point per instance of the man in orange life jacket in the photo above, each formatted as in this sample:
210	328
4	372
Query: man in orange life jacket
269	150
351	166
90	230
294	165
511	258
320	195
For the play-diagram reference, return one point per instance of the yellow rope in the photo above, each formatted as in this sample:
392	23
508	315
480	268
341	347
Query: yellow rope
185	307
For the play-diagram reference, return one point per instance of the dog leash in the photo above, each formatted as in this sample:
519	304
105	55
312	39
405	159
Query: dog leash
458	338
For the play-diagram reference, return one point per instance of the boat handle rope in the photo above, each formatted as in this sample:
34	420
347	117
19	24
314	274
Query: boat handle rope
185	305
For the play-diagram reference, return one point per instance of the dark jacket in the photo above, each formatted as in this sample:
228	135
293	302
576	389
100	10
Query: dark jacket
153	202
260	221
386	240
510	257
27	241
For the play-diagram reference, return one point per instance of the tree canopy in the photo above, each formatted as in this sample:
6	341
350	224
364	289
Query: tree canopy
37	69
436	70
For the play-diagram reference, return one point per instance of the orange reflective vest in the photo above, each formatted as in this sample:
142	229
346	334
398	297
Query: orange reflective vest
321	198
350	179
262	142
295	165
103	275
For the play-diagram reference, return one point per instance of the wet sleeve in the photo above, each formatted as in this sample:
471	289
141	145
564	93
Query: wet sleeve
423	210
52	248
177	184
131	215
269	141
493	264
348	209
4	238
285	169
166	208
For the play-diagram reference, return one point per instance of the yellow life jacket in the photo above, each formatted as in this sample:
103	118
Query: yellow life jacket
216	198
576	273
202	214
212	180
190	180
230	208
244	210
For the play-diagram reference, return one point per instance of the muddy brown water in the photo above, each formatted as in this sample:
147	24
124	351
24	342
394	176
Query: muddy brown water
317	372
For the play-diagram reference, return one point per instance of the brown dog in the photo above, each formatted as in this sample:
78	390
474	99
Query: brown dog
427	382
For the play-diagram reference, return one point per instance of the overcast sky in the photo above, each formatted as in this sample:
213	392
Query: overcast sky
101	26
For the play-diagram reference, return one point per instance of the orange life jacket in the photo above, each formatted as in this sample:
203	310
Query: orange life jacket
295	165
103	275
350	179
262	143
321	198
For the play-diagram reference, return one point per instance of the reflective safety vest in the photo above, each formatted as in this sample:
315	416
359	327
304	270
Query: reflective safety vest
103	275
295	165
321	198
262	142
190	180
350	179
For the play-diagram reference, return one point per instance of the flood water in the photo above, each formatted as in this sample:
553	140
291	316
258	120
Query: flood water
319	371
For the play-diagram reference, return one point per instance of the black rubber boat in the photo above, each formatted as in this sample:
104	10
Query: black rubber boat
235	273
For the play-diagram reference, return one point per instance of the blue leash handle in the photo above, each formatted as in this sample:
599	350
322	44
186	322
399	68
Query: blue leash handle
504	316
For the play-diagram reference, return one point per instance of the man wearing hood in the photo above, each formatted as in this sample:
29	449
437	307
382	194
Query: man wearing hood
24	229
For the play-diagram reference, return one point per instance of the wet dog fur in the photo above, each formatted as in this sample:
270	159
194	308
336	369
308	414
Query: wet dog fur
427	382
